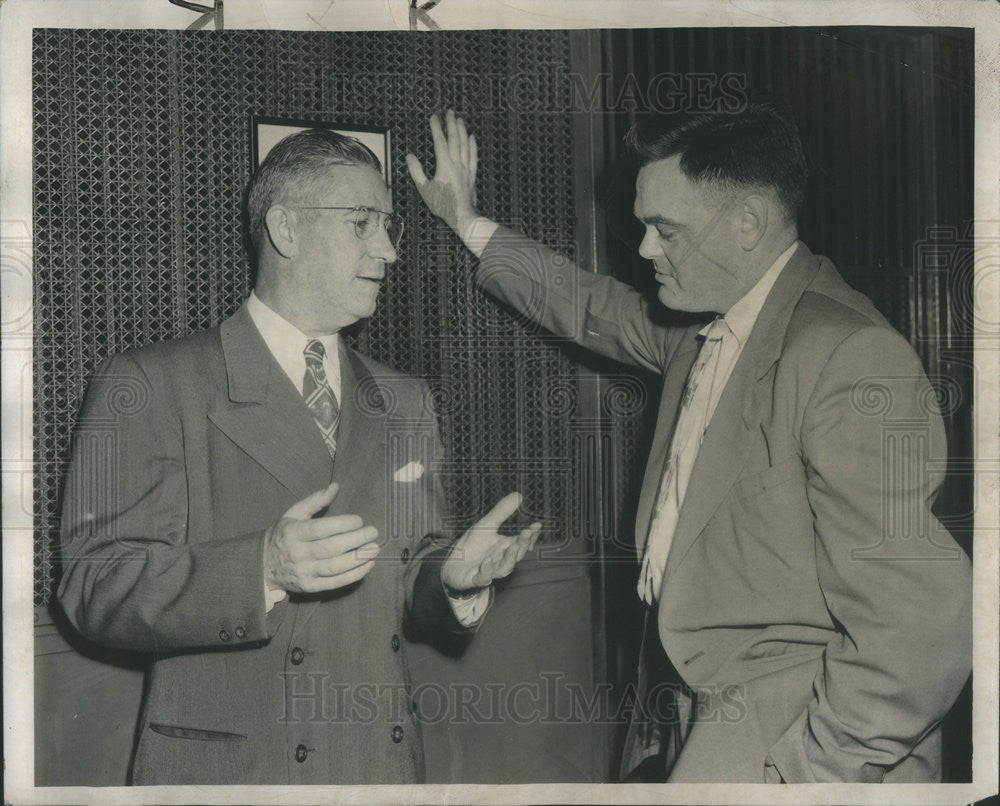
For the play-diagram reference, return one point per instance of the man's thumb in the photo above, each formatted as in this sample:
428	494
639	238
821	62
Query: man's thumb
313	503
503	509
416	170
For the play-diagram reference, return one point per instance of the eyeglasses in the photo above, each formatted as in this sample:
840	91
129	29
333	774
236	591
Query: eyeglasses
366	222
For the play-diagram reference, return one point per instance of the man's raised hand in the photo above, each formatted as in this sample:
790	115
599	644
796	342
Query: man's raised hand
303	554
451	194
482	554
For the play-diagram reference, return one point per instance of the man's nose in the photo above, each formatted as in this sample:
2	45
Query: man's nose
649	247
380	246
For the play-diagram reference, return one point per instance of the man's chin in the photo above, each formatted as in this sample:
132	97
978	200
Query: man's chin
366	312
367	302
669	299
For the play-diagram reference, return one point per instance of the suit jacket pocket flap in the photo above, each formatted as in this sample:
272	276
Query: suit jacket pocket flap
178	732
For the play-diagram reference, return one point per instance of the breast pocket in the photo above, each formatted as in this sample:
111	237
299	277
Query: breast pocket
750	489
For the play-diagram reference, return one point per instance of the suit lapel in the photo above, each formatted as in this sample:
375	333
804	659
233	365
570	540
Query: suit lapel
274	427
724	451
720	460
361	435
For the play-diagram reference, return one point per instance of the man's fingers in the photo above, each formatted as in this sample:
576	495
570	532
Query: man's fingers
504	508
440	144
332	526
463	142
453	148
342	543
529	535
505	563
313	503
526	540
531	531
505	554
473	166
342	563
507	560
340	580
416	170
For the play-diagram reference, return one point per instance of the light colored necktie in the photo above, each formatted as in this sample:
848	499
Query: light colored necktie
319	396
692	421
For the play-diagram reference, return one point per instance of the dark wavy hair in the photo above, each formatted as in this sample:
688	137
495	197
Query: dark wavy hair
756	147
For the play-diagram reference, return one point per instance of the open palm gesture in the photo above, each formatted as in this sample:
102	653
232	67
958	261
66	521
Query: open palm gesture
482	554
451	194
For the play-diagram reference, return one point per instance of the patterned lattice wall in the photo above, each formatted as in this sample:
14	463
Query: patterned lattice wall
140	155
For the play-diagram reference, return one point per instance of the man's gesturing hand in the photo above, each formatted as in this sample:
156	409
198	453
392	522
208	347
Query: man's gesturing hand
303	554
482	554
451	194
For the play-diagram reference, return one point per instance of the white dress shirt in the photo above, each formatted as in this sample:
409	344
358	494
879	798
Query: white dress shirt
724	342
287	344
741	318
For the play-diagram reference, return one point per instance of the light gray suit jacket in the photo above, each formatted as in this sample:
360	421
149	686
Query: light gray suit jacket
818	609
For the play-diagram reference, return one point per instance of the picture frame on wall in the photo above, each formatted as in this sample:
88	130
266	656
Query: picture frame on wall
266	132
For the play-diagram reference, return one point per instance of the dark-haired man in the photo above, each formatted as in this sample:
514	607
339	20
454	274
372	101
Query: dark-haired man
252	506
809	618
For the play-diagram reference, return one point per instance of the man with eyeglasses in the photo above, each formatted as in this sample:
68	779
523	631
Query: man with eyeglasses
257	507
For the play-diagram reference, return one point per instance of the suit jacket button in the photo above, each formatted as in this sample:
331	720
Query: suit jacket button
395	643
298	655
223	635
240	632
397	734
301	752
405	556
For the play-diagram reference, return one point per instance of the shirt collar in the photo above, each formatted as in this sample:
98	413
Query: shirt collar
743	315
285	341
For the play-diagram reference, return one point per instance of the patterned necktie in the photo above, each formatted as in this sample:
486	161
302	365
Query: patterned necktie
691	425
319	396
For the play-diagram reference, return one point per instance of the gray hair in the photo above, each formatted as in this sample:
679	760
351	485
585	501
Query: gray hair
294	171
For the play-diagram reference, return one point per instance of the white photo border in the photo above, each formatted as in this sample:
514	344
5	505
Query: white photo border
18	19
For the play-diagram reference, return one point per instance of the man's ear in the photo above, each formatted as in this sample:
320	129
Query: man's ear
280	224
753	221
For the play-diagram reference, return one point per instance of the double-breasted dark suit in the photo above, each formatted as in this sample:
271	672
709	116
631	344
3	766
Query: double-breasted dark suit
186	452
817	609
